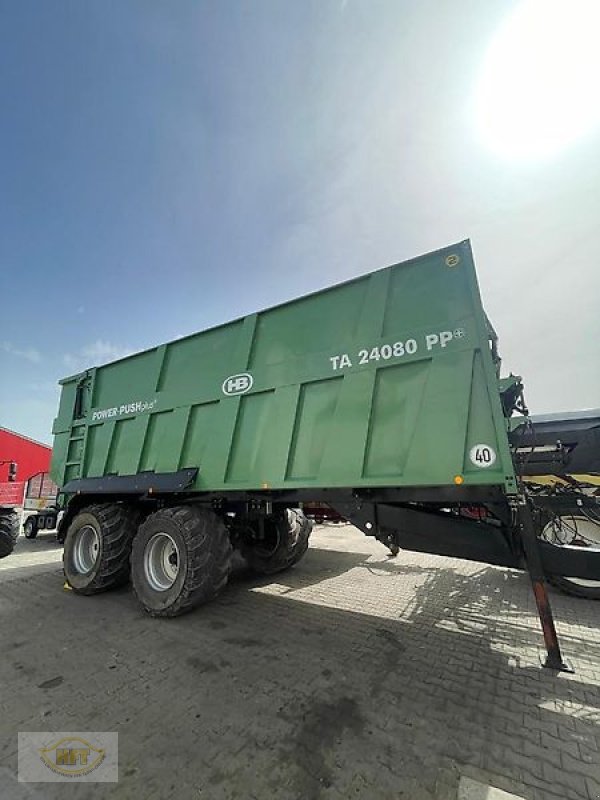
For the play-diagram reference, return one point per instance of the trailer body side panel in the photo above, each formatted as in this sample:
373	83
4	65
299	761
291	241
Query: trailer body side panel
387	380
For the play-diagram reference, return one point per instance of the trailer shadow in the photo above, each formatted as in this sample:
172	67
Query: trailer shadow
500	604
449	687
312	570
489	600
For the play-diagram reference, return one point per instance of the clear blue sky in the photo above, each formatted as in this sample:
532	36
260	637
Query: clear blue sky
169	166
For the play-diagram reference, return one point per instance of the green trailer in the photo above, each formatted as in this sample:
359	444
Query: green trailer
378	401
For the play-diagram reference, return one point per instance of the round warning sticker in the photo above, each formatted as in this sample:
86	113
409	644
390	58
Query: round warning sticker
482	455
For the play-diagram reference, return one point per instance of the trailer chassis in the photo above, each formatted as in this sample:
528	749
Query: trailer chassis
504	532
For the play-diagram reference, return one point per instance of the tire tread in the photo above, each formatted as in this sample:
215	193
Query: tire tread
293	546
118	524
209	554
9	531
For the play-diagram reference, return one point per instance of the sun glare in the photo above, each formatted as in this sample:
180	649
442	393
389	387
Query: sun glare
539	89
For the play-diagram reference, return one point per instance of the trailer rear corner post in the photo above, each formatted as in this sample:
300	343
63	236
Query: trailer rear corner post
554	659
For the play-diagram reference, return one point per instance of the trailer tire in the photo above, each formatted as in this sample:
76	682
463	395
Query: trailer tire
181	558
576	587
567	586
97	547
9	531
286	543
30	529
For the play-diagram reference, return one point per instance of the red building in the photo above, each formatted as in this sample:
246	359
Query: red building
30	456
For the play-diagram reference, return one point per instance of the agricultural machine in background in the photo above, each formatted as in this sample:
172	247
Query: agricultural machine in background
40	511
558	458
9	518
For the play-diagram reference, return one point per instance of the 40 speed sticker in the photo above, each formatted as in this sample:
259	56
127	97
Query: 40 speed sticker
482	455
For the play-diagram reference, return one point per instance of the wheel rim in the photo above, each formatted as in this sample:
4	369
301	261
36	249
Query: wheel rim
86	549
268	546
161	562
571	529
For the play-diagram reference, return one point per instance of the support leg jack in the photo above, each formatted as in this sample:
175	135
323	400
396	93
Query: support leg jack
553	658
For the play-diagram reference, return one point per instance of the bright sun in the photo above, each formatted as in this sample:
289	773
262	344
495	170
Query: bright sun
540	86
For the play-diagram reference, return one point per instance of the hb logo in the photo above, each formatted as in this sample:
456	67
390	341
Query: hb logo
238	384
